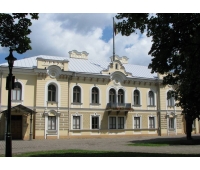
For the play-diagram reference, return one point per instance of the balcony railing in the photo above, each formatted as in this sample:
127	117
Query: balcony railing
119	106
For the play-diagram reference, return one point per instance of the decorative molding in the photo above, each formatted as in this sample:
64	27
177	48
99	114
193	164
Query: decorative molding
76	54
42	75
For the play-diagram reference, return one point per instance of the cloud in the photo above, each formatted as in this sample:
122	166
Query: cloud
57	34
49	37
135	47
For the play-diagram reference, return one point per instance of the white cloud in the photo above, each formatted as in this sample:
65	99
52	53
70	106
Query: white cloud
135	47
57	34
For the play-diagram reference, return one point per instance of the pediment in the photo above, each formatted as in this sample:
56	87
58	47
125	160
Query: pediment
116	66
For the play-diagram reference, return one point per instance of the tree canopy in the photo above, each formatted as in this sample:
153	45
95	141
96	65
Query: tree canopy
14	31
175	53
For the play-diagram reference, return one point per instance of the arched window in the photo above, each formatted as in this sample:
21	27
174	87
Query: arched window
151	98
136	97
170	99
17	91
51	93
77	94
112	96
116	66
120	96
95	95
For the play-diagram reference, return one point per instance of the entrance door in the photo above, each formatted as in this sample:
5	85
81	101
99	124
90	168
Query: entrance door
16	127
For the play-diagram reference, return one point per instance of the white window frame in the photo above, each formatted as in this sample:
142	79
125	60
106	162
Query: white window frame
194	124
72	94
118	122
115	122
154	122
95	115
170	101
116	118
72	121
123	95
51	93
140	122
58	90
57	115
54	122
22	92
155	98
171	118
108	94
90	94
140	97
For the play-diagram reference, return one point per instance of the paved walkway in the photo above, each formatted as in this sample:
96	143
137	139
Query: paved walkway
115	143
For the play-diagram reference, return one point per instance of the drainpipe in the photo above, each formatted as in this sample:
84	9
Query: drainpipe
1	88
70	78
68	106
158	107
0	103
31	134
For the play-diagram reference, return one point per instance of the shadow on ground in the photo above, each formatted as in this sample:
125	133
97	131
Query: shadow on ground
84	153
169	141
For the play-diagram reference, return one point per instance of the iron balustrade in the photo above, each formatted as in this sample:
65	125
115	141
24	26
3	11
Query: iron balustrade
119	106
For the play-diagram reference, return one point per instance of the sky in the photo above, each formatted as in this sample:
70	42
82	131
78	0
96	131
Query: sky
58	33
85	27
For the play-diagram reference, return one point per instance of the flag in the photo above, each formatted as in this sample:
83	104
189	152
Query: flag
115	28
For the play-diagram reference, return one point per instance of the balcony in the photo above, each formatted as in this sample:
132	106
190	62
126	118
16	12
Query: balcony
119	106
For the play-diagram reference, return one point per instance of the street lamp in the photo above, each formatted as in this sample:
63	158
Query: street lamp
9	86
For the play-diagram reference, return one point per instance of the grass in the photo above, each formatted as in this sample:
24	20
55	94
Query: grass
91	153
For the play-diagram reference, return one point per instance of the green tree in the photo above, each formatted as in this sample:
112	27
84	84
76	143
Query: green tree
175	53
14	31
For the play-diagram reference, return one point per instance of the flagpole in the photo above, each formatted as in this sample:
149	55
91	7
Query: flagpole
113	39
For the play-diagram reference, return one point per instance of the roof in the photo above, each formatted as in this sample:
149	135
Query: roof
20	107
85	66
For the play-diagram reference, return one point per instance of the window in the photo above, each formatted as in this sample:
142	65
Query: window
151	98
95	122
51	93
116	66
51	122
120	96
76	122
17	91
171	123
120	122
151	122
95	95
112	122
112	96
77	94
193	124
136	97
170	99
136	122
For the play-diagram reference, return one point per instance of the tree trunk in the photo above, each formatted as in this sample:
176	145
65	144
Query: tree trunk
188	127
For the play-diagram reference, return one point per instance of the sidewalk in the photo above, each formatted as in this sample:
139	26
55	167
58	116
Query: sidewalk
115	143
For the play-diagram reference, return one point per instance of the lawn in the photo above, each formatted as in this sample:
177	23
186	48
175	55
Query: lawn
91	153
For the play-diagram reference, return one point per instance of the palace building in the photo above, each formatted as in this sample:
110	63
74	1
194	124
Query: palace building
58	97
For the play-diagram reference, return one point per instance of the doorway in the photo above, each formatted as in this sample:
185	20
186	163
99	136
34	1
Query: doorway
16	126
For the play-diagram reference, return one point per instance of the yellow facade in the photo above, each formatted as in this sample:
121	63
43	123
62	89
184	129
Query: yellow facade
62	117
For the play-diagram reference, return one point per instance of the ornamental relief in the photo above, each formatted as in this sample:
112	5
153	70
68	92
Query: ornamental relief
117	82
54	71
